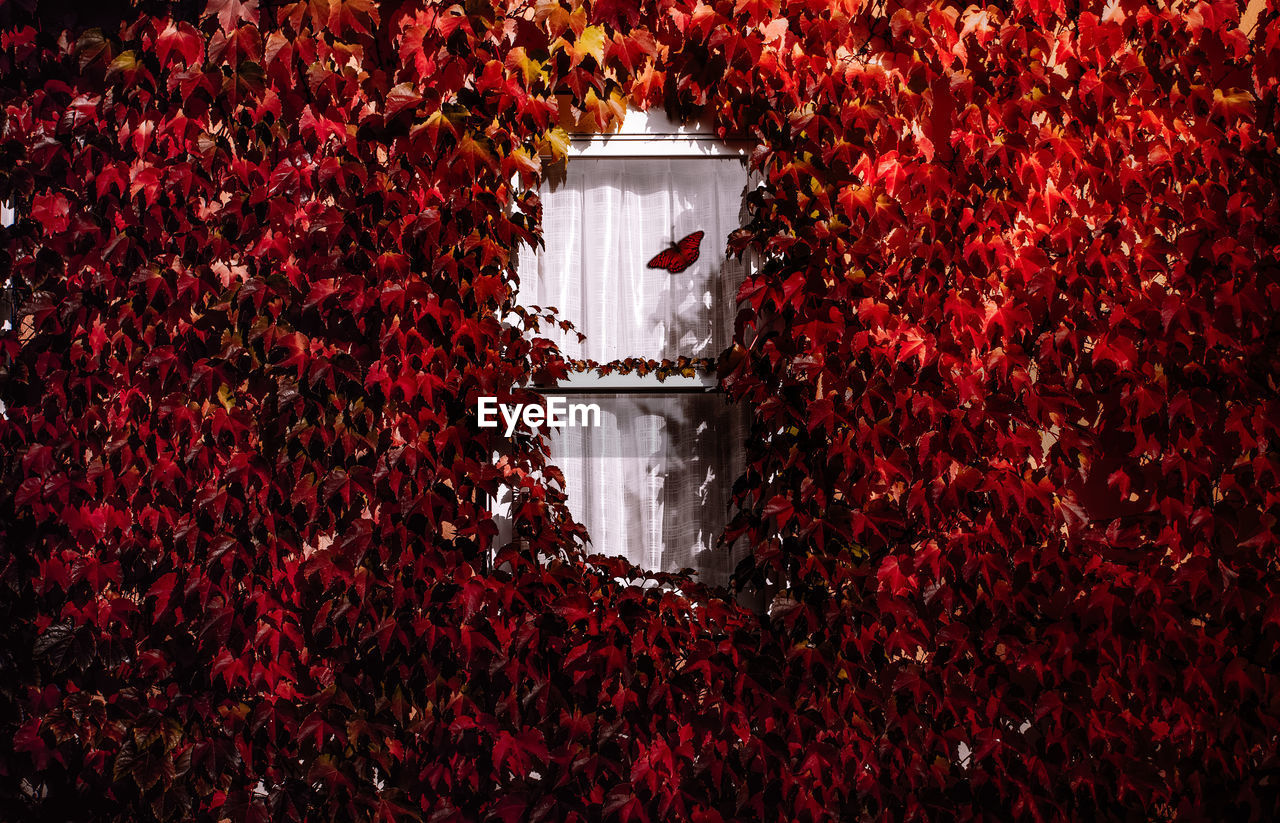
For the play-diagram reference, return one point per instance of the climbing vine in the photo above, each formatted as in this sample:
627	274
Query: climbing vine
1009	353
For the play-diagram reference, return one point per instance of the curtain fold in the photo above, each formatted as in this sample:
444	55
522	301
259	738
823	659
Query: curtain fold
653	481
603	222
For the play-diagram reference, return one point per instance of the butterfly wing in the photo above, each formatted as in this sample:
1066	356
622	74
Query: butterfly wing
665	259
690	244
688	252
681	257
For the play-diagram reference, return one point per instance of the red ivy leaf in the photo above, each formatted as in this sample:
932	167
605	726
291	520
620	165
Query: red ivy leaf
403	96
231	12
780	509
354	15
52	211
181	39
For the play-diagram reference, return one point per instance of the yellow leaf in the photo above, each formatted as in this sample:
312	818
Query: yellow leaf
588	44
522	162
518	60
607	113
555	144
126	64
1237	103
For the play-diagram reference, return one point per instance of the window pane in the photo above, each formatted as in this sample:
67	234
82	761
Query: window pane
652	482
603	222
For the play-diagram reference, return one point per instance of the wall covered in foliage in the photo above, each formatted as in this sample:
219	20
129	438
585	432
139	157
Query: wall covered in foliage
1011	354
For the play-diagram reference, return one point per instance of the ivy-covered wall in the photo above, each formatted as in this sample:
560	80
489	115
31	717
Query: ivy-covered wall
1012	372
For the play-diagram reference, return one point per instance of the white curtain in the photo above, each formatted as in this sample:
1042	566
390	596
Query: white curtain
602	224
653	482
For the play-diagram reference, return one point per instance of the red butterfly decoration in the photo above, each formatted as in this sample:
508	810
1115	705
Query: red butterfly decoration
676	260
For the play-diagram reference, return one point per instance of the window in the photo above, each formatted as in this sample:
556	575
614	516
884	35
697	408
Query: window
604	219
8	298
652	481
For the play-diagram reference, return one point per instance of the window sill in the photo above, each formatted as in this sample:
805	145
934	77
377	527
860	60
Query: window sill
605	383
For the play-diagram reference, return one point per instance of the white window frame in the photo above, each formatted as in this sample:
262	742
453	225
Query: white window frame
642	135
8	216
